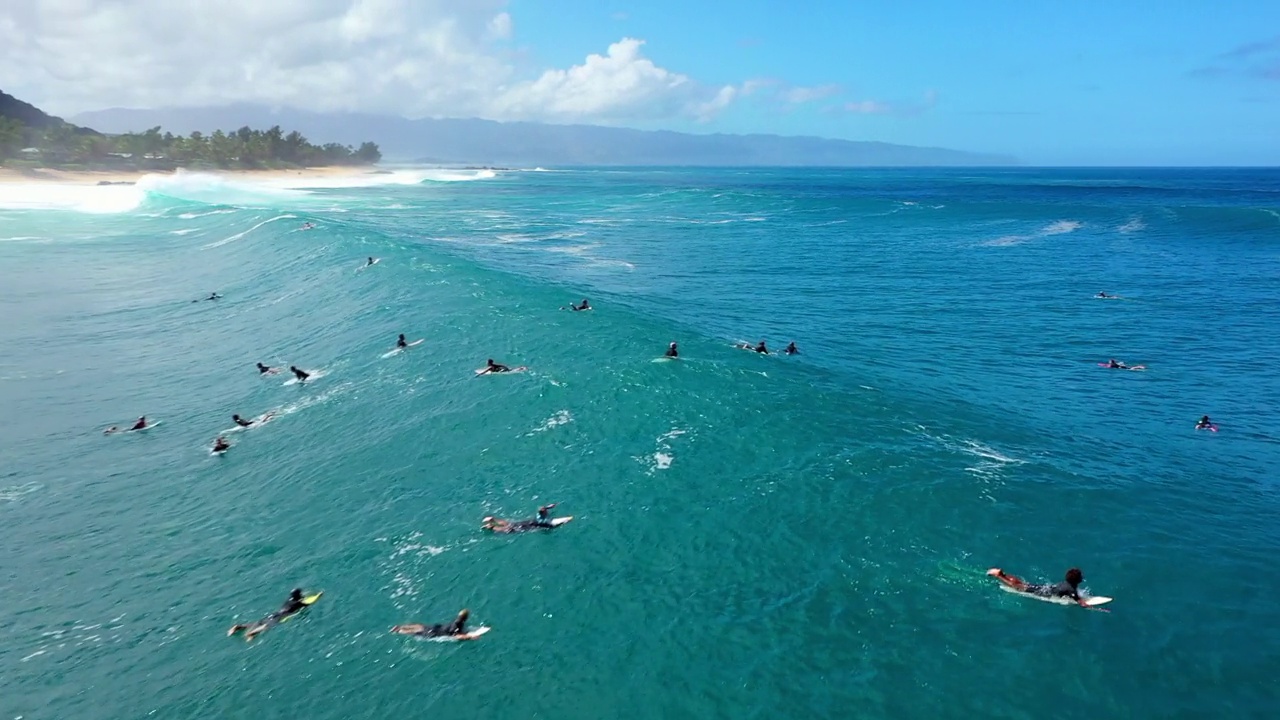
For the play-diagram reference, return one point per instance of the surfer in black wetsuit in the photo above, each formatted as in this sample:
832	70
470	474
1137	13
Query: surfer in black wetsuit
400	343
791	349
493	367
221	445
584	306
1069	588
671	351
1204	424
140	425
542	522
241	421
456	629
291	606
264	370
372	260
302	376
1116	365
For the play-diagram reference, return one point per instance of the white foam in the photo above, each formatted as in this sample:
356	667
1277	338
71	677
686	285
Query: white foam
239	235
96	199
1133	226
662	461
1061	227
562	417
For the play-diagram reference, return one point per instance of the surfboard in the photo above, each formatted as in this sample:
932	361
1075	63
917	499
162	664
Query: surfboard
315	375
308	601
122	431
663	359
398	350
1129	367
459	638
485	371
1211	428
557	522
259	421
1090	600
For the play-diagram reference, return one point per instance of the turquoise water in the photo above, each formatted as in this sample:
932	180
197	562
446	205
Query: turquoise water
754	536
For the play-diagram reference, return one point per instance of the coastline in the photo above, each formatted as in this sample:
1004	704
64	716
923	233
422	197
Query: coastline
128	177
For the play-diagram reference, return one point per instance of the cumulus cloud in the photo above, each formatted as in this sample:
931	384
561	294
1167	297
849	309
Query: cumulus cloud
409	57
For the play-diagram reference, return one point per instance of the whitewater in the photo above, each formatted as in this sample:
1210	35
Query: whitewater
754	535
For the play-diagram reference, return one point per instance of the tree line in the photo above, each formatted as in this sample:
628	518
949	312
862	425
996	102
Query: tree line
66	144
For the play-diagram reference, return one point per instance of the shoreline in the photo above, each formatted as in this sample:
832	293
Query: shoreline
129	177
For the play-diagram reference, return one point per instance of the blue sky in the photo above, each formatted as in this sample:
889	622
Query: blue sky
1087	82
1079	83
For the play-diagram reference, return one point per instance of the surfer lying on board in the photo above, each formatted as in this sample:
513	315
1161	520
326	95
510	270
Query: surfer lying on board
1103	295
264	370
1068	588
291	606
759	347
457	628
542	522
301	375
221	445
140	425
671	351
791	349
493	367
241	421
1116	365
584	306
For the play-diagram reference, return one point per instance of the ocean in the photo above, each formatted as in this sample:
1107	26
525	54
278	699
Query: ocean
753	537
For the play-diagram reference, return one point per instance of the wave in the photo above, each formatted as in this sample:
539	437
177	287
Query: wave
1061	227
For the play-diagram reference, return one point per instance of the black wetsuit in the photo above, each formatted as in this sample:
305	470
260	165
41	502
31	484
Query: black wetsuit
1057	590
671	352
263	369
457	627
243	423
301	375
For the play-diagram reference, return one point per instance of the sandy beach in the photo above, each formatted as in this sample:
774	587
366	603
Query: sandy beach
97	177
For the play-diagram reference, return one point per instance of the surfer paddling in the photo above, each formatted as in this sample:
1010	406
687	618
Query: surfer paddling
493	367
584	306
300	374
791	349
1206	424
265	370
758	347
140	425
542	522
456	629
221	445
293	605
1069	588
671	351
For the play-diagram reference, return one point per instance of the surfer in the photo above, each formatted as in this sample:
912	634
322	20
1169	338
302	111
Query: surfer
457	628
542	522
584	306
140	425
291	606
1103	295
301	375
372	260
307	226
493	367
671	351
1068	588
760	348
791	349
1116	365
221	445
1204	424
265	370
401	343
241	421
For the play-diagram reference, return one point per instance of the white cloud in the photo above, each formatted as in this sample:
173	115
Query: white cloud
868	107
622	84
410	57
901	109
799	95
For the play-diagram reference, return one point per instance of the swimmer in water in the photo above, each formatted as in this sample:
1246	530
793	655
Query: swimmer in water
493	367
542	522
791	349
302	376
291	606
1068	588
1204	424
221	445
457	628
400	343
671	351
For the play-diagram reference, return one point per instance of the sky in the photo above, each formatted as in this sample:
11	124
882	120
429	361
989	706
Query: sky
1082	83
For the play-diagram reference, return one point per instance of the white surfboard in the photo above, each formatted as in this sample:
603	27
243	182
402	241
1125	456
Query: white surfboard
259	421
459	638
1090	600
314	375
398	350
557	522
663	359
123	430
485	371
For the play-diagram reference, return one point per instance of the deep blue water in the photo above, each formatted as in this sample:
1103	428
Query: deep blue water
754	536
